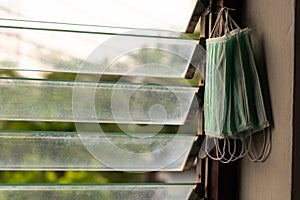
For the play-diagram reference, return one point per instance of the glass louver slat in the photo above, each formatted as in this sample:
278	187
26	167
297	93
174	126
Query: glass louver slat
100	50
103	192
25	150
34	100
136	13
90	29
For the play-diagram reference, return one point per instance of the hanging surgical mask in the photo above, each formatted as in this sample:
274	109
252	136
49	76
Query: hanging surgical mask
233	101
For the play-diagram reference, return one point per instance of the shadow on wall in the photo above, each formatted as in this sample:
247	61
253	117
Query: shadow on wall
259	54
260	59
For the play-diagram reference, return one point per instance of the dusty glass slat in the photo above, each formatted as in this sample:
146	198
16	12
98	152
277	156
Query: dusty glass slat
90	29
136	13
35	100
24	150
103	192
144	53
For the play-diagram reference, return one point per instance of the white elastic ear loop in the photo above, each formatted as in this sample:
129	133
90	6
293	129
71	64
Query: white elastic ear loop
236	157
232	154
231	21
248	144
245	148
226	24
223	152
217	149
243	152
258	157
206	149
220	154
228	21
230	25
225	160
265	150
216	23
251	155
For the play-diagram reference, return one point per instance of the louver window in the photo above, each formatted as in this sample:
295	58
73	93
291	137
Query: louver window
123	75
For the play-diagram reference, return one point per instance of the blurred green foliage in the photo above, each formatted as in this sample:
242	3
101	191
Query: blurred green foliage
67	177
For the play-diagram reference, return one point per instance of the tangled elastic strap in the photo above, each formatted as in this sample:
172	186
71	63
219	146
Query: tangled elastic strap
225	153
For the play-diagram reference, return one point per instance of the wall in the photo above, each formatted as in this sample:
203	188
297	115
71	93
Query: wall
273	25
296	140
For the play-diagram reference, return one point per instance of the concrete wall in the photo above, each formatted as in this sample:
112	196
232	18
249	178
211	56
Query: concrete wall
296	140
273	24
